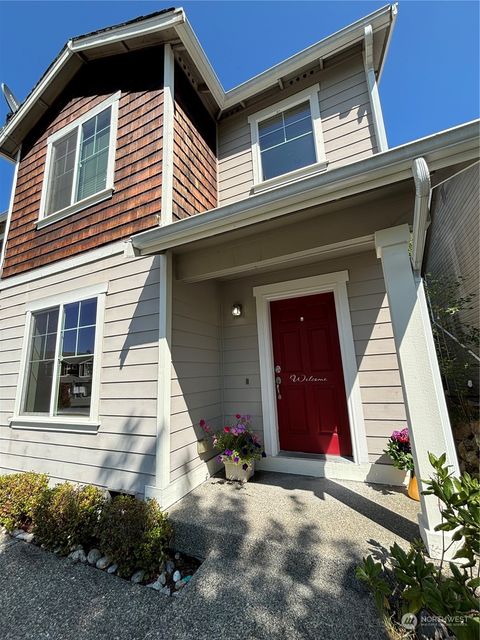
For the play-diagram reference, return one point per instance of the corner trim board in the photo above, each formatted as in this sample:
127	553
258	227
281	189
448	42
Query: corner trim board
168	133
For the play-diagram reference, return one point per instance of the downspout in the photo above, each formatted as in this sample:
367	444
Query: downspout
378	124
421	176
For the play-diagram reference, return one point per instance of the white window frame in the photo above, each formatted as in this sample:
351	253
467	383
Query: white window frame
46	219
54	422
311	95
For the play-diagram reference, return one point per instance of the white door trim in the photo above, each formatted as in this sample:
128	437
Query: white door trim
335	282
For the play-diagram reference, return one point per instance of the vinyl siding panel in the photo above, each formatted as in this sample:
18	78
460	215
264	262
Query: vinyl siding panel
346	123
121	454
196	386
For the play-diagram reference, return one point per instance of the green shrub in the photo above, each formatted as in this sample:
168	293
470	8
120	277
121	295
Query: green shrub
67	516
19	494
135	534
406	582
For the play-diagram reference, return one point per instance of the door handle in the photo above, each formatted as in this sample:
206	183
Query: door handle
278	382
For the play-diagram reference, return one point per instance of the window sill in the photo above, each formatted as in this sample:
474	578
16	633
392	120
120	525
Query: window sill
75	208
292	176
46	423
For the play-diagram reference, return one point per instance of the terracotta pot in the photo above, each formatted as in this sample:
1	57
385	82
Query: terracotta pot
234	471
413	488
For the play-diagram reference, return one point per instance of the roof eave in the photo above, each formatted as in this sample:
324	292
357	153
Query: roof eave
382	18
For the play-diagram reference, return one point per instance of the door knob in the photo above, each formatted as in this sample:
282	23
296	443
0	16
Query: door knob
278	369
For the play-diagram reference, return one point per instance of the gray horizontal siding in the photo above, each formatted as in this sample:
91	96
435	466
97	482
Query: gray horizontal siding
346	123
196	386
121	454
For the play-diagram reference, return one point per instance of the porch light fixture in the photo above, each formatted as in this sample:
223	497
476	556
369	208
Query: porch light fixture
236	310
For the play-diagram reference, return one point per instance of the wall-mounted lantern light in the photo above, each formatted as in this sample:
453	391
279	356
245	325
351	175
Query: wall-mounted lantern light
236	310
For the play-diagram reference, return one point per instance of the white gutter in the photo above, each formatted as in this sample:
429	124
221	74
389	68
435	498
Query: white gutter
442	149
378	124
421	176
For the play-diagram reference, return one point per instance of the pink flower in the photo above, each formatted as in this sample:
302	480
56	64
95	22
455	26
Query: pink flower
202	423
238	416
226	429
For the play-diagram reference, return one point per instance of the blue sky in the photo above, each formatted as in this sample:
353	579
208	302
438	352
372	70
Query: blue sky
430	81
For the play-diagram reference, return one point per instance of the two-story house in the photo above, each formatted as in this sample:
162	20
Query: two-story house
177	252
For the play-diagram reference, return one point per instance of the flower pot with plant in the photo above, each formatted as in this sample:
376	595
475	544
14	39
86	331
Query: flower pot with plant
238	447
400	452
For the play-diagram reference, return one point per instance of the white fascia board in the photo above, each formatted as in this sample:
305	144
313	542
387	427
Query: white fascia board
379	19
128	31
35	96
198	55
394	14
440	150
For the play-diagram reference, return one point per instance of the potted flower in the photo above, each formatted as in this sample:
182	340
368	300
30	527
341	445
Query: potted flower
238	447
400	451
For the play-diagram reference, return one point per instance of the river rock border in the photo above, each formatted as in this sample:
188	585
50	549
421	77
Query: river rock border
175	573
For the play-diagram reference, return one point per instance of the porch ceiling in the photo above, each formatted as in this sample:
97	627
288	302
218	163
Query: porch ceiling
338	228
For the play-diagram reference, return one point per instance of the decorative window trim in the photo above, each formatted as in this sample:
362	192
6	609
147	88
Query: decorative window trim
310	94
88	423
75	207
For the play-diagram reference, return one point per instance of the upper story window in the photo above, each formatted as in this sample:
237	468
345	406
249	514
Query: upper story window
287	140
80	163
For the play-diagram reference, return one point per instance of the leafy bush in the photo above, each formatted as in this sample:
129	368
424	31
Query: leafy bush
19	494
67	516
409	583
134	534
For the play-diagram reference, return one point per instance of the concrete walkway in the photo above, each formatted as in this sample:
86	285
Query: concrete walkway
280	558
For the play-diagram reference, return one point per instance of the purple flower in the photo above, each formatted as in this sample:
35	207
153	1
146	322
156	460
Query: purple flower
236	459
228	452
245	466
219	458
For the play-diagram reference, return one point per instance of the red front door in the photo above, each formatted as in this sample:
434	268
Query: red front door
311	401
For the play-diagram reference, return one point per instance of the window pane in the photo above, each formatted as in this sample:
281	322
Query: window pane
270	124
88	312
62	163
39	377
92	174
272	139
288	157
75	387
298	128
86	340
39	387
299	112
69	342
71	316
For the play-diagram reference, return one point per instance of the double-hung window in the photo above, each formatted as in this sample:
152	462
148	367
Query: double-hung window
287	140
80	163
60	361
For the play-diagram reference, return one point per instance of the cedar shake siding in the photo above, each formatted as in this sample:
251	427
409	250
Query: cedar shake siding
346	121
194	152
135	203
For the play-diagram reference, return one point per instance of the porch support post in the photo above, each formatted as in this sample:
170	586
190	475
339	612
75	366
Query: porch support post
162	448
427	414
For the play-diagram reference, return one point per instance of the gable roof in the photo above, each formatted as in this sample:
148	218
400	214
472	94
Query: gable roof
171	25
